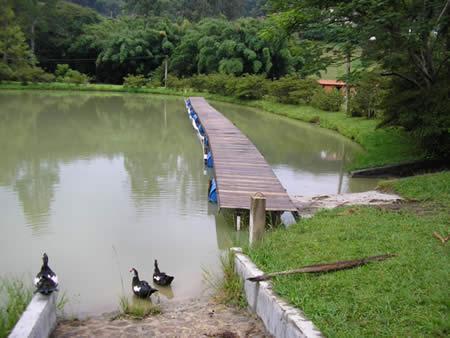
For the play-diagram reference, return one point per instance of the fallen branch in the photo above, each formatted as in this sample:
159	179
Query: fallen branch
439	237
325	267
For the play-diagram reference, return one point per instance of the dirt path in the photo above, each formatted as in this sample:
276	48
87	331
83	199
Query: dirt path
195	318
308	206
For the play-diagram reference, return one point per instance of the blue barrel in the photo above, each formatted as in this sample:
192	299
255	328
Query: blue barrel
212	194
209	160
201	130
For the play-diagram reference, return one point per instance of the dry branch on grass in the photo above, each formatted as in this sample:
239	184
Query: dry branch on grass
439	237
324	267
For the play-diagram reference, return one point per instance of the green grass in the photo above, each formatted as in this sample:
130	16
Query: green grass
383	145
404	296
434	188
138	308
14	298
227	288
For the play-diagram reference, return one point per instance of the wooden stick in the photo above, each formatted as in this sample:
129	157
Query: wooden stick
439	237
325	267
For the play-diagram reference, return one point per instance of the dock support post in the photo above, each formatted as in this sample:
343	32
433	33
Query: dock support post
257	217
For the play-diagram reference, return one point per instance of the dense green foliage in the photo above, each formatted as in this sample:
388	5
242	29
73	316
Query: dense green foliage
404	296
149	32
15	54
63	73
367	99
291	89
408	39
134	81
217	45
62	27
327	100
127	45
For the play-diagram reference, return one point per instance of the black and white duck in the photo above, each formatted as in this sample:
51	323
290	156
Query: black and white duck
141	288
161	278
46	280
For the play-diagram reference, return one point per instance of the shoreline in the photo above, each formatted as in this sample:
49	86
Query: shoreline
396	146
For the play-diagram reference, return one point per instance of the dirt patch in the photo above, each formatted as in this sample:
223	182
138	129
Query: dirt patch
308	206
195	318
418	208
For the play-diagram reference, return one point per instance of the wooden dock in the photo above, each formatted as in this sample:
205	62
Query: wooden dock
239	168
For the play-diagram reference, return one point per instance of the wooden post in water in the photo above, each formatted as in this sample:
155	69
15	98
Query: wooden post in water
238	222
166	61
257	217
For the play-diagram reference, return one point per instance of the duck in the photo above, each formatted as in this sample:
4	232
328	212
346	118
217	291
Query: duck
141	288
46	281
161	278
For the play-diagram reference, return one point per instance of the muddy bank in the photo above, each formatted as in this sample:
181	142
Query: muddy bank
308	206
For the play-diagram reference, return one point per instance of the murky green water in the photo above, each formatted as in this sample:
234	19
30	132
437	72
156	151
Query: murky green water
106	182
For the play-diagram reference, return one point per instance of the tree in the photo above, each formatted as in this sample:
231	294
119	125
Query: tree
218	45
409	39
14	52
32	15
64	25
127	45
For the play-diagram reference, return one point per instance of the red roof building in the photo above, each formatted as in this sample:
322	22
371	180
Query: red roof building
330	85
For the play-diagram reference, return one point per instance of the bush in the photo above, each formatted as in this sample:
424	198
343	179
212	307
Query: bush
328	101
134	81
65	74
199	82
368	97
176	83
221	84
26	74
250	87
291	89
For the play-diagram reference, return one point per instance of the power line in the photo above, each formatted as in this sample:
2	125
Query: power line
49	60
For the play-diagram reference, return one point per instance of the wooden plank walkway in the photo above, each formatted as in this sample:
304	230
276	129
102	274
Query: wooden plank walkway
240	169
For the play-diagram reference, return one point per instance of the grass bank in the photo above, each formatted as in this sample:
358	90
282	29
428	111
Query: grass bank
14	298
405	296
228	287
383	145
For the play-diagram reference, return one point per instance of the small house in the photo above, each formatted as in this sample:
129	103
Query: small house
329	85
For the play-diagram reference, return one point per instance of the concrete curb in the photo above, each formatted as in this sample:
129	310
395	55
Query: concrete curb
279	318
39	318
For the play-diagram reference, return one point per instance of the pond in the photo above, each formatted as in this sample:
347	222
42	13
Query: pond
106	182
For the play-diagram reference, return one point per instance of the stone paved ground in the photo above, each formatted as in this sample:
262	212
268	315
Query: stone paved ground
195	318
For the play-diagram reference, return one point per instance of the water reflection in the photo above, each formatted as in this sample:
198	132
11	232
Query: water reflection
38	131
